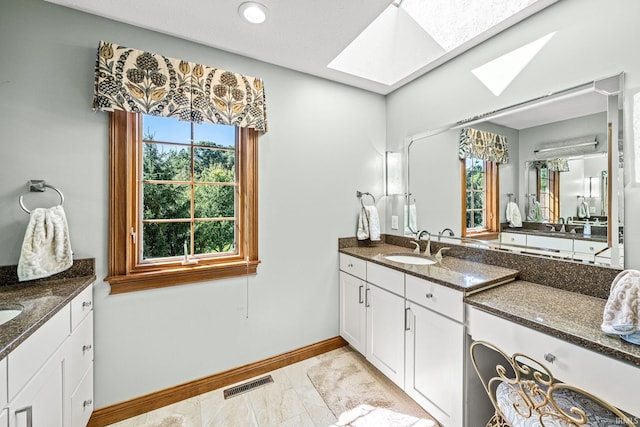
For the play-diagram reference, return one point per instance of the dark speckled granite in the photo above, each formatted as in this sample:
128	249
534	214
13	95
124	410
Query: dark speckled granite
460	274
586	279
569	316
39	299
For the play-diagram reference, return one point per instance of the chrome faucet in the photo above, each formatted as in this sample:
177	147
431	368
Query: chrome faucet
451	234
562	221
552	228
427	251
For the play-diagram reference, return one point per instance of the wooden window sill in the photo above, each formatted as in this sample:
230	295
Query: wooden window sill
139	281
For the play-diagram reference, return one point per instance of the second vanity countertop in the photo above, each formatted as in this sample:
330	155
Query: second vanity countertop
456	273
39	302
570	316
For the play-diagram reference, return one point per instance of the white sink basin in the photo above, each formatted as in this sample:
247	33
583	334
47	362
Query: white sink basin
410	259
8	314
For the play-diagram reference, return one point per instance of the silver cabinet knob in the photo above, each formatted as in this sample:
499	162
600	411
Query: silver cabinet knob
87	402
429	295
549	358
86	347
86	304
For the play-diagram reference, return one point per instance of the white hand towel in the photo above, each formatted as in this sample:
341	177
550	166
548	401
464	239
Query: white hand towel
368	224
622	311
46	248
513	215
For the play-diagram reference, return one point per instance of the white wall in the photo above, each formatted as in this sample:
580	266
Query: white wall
593	39
325	141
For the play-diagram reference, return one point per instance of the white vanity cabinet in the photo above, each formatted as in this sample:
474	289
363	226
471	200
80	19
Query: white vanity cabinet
434	351
371	314
605	377
79	378
353	316
50	371
384	300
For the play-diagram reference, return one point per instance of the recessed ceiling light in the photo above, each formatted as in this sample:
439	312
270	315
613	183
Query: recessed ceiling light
253	12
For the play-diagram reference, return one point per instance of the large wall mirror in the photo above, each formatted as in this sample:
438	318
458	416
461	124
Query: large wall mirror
564	173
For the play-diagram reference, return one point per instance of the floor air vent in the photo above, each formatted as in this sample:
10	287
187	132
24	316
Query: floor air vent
248	386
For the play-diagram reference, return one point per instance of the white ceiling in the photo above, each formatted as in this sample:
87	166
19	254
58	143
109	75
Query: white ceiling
303	35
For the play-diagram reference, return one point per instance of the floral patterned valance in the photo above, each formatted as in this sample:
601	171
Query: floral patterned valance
558	165
484	145
143	82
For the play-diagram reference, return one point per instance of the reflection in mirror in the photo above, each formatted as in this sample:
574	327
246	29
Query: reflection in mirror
564	175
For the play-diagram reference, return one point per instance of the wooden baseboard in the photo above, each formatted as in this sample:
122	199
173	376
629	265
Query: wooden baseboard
121	411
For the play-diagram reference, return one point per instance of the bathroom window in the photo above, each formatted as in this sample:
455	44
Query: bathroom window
548	183
183	202
479	197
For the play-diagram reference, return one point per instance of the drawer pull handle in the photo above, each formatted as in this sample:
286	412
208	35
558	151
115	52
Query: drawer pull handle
366	298
87	402
360	294
86	304
29	412
407	326
350	265
86	347
591	248
549	358
429	295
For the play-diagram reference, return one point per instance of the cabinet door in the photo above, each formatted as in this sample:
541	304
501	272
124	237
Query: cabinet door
434	363
385	332
41	399
353	321
4	418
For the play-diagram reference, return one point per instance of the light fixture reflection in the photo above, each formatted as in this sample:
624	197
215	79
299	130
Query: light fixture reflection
253	12
393	173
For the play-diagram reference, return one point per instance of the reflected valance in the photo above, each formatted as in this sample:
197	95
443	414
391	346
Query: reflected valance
483	145
557	165
143	82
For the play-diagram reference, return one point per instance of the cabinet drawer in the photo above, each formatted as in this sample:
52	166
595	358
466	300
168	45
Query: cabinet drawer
354	266
81	305
573	364
28	357
81	350
433	296
386	278
588	247
82	400
550	242
513	238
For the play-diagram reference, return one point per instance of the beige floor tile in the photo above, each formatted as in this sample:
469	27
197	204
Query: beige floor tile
187	410
233	412
302	420
274	404
131	422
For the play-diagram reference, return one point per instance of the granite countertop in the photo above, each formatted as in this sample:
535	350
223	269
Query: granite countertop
570	316
39	300
456	273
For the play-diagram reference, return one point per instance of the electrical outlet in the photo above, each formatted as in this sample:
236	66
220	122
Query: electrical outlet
394	222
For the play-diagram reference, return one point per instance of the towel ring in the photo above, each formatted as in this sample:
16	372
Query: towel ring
39	187
359	195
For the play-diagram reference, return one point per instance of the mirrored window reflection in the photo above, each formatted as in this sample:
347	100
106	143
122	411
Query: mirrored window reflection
475	193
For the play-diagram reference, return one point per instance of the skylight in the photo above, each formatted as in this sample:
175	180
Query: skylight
418	35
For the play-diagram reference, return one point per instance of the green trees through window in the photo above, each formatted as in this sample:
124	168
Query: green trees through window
475	193
188	188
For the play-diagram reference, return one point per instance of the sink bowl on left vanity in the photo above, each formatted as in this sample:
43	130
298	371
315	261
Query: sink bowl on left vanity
409	321
46	353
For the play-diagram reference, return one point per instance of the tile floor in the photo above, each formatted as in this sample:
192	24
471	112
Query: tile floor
291	401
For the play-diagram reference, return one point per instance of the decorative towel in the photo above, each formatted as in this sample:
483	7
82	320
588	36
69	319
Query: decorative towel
535	212
513	215
46	249
368	224
583	210
622	310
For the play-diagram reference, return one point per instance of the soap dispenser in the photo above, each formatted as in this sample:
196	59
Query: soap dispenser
587	229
